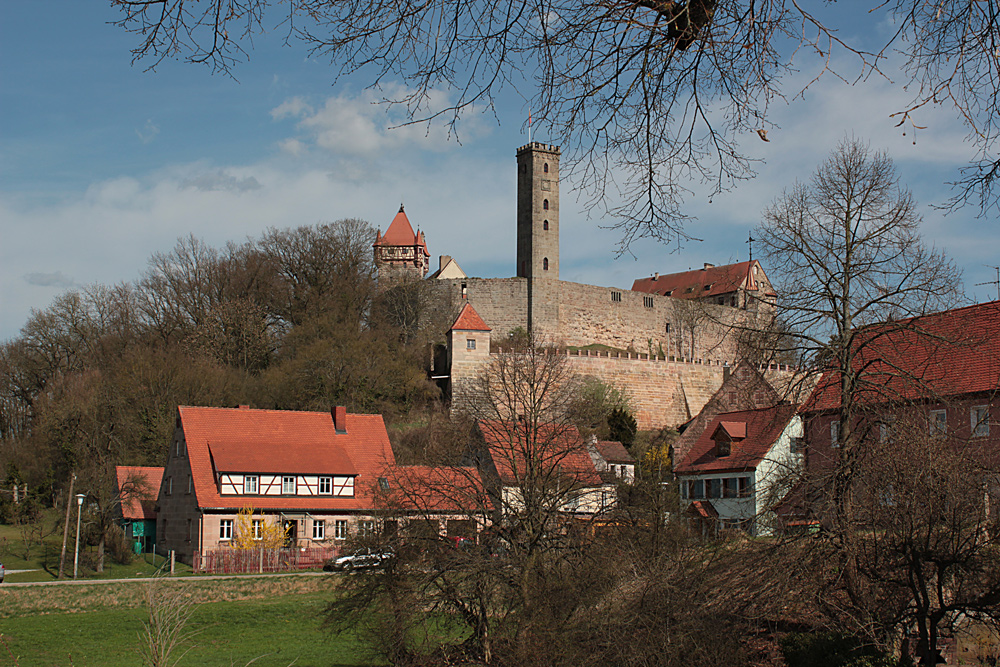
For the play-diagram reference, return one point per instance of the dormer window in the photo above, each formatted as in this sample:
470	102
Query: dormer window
726	433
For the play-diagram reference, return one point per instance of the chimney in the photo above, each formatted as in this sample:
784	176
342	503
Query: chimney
708	266
442	260
656	276
339	414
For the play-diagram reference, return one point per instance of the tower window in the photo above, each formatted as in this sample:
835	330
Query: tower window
545	167
616	297
545	264
647	301
470	344
545	225
545	204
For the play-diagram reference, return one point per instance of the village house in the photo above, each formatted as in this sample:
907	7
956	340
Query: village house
742	285
136	488
315	473
740	467
547	466
434	502
611	460
939	373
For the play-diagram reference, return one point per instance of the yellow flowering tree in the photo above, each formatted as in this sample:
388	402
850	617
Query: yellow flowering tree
257	531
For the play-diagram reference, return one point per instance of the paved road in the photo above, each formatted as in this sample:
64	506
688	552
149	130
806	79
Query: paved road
80	582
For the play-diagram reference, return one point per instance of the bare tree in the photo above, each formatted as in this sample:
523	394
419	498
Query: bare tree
848	255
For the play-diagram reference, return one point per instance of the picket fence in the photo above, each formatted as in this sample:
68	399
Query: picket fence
241	561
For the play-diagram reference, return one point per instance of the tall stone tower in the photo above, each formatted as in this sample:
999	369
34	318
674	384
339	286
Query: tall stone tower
400	255
538	211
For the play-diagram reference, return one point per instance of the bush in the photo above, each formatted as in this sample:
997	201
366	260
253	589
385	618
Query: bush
831	649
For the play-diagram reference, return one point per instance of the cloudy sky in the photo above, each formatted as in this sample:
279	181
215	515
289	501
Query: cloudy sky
103	163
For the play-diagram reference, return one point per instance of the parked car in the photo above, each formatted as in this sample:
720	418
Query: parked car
361	559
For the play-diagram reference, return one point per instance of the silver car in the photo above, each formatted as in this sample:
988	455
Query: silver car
360	560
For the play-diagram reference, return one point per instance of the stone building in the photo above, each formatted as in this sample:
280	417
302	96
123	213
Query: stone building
400	254
676	348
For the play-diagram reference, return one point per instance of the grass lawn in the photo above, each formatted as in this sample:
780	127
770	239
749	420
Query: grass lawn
277	620
39	552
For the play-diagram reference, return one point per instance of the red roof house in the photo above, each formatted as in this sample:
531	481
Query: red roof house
546	460
938	372
740	467
137	488
316	472
731	285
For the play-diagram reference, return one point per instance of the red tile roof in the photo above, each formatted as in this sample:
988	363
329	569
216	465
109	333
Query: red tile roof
613	451
139	486
733	429
699	283
762	430
703	509
469	320
945	354
552	449
435	489
280	441
400	233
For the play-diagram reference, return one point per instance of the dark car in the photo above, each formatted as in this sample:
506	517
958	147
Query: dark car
361	559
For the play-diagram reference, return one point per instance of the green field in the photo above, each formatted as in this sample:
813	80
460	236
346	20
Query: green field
275	620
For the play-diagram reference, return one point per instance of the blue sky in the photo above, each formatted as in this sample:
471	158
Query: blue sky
103	163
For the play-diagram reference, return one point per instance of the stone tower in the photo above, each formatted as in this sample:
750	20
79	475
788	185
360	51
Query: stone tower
538	211
400	254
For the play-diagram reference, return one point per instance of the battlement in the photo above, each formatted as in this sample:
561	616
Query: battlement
538	146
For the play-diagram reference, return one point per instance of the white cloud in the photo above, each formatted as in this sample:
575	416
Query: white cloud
149	131
293	107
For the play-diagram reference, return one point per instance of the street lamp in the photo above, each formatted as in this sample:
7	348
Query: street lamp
79	510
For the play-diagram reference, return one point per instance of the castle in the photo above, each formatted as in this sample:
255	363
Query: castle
667	340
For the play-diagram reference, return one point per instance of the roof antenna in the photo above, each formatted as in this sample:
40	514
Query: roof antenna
750	241
993	282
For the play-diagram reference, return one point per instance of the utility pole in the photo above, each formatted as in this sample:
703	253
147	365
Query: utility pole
69	505
993	282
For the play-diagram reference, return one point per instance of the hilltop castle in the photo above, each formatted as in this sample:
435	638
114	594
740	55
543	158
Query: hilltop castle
674	332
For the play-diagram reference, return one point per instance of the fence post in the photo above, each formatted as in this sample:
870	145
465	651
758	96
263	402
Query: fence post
260	568
171	561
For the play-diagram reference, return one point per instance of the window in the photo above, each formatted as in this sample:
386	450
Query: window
835	433
258	529
668	326
170	485
545	204
383	484
980	420
319	529
250	484
325	486
732	301
795	446
190	484
340	529
288	486
470	344
722	446
545	167
713	488
545	225
721	300
616	297
647	301
696	489
179	448
545	264
883	432
938	422
366	528
187	533
745	489
226	529
730	487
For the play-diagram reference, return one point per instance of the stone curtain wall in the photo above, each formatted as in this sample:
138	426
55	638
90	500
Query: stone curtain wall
573	314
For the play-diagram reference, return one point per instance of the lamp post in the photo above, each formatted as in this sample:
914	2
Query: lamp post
79	510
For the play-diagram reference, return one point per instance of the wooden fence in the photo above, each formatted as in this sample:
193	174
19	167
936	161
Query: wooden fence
238	561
